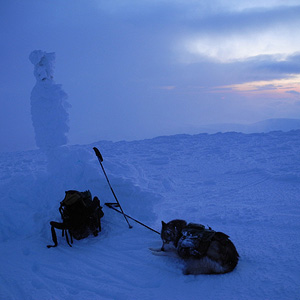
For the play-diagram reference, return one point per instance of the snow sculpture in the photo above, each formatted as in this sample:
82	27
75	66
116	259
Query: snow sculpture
48	103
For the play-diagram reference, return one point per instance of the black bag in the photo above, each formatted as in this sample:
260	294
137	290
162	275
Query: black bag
195	240
80	217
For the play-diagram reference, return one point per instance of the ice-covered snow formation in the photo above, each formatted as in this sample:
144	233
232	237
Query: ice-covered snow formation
48	103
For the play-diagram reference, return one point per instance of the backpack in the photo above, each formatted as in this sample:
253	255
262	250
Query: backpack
195	240
80	217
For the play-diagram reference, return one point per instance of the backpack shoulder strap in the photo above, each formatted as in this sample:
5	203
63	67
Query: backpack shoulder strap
57	225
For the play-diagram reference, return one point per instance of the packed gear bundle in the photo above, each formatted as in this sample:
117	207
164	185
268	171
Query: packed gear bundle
80	217
196	239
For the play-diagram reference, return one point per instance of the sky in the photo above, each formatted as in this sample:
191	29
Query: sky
136	69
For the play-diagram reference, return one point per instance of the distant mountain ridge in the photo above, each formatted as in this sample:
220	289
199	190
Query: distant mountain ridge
268	125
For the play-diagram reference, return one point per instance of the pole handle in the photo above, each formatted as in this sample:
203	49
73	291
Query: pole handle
98	154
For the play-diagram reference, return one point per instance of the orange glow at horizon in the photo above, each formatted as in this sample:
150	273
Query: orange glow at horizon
287	87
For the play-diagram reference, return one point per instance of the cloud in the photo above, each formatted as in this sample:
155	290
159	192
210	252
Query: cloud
226	36
290	65
224	31
168	87
209	17
295	93
275	89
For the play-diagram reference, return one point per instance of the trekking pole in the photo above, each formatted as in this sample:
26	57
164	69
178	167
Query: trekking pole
100	158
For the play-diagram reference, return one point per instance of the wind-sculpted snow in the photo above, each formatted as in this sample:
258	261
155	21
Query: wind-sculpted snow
247	186
48	103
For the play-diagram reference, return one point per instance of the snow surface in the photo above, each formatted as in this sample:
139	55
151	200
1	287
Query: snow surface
246	185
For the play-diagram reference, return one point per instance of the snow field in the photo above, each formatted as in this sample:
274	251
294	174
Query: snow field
244	185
